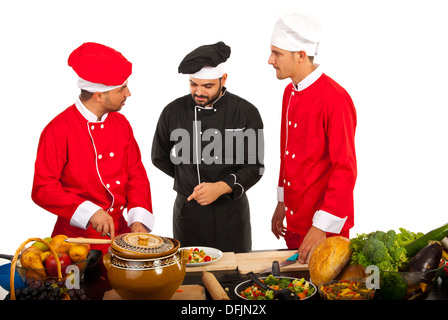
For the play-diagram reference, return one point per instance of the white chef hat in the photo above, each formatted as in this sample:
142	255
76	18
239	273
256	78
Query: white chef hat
297	32
210	72
96	87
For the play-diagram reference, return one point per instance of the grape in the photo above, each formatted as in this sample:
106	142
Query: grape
47	290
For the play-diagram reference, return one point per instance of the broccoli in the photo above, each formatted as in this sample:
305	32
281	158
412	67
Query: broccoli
378	248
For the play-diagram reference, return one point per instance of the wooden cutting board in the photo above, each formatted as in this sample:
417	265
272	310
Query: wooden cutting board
227	262
259	261
185	292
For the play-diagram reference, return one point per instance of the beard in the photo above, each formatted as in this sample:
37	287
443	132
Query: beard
203	100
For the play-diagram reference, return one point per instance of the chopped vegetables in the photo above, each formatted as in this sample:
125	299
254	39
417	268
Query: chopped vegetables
299	286
198	256
346	290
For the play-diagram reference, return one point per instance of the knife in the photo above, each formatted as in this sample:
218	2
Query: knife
292	259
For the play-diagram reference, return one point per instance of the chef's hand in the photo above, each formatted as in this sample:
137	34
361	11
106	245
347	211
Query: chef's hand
277	226
207	192
138	227
313	236
102	222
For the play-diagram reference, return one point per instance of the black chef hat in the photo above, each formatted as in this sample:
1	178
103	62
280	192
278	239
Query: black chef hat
205	56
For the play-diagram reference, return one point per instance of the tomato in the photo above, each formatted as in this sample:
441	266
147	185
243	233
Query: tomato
51	266
207	258
196	249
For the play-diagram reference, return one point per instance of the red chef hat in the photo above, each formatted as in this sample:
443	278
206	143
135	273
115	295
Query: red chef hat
99	68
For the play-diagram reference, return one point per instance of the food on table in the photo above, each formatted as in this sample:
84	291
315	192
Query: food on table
328	259
391	251
51	265
379	248
302	288
79	252
198	256
352	272
59	244
408	262
39	263
434	235
42	246
50	289
346	290
427	258
45	255
30	258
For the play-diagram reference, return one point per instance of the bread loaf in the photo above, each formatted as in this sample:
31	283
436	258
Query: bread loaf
352	272
328	259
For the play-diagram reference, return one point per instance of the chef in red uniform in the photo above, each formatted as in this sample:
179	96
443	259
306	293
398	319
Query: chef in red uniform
88	168
318	162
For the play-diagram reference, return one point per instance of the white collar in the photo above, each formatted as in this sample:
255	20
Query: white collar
86	113
309	80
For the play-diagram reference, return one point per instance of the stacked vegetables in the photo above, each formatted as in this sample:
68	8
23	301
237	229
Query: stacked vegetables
394	253
391	251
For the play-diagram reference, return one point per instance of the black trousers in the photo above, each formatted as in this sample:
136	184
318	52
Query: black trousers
224	224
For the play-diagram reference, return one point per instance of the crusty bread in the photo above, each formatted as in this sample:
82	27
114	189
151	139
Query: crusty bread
328	258
352	272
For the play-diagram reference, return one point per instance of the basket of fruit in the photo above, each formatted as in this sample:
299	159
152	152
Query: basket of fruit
45	266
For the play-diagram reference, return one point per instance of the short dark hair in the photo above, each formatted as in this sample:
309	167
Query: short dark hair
85	95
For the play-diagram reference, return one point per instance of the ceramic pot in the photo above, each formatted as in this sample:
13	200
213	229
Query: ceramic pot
145	267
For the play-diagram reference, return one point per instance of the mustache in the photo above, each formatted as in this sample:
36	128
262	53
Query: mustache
196	96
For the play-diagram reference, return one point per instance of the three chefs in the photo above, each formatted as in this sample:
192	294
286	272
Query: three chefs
88	166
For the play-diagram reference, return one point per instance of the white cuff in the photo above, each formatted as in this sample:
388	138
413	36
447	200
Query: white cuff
327	222
139	214
280	193
83	213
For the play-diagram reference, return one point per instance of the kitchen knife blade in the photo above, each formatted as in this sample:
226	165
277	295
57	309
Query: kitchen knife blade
292	259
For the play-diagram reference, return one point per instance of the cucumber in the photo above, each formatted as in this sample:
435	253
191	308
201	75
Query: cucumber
436	235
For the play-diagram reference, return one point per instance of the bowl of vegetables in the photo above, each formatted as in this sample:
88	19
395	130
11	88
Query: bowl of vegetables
346	290
409	285
248	290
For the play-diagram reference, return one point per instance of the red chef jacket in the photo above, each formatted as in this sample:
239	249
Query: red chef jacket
318	162
82	166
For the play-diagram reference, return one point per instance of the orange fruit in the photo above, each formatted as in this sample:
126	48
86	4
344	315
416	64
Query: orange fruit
78	252
59	244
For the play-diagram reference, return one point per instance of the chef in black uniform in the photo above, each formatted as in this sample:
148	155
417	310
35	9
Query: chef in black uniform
211	142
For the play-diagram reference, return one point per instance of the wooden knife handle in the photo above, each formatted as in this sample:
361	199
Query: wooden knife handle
214	287
88	240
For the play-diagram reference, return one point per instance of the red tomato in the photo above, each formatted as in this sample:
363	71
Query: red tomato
207	258
51	266
196	249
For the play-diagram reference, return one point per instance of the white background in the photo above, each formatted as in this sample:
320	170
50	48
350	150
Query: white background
391	56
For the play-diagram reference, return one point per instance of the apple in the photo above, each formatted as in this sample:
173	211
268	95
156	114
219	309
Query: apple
51	266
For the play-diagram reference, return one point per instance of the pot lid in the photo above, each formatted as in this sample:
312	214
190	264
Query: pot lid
143	245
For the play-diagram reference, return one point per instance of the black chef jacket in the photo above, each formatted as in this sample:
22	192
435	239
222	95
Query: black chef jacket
195	144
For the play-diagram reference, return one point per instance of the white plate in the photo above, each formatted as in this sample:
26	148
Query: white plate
212	252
